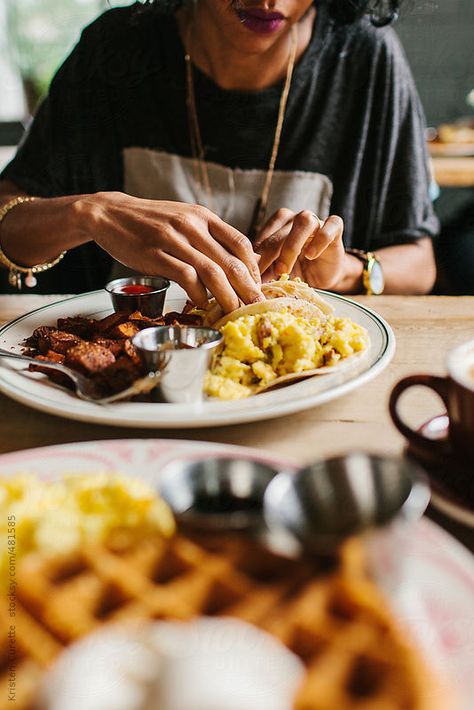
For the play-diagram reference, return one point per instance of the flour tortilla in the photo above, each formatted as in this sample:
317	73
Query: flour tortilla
348	363
284	304
291	296
298	290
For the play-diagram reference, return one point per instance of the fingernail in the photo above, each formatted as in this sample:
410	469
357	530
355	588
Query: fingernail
311	253
258	297
281	267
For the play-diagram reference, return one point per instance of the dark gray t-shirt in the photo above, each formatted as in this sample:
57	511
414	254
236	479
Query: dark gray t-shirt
115	119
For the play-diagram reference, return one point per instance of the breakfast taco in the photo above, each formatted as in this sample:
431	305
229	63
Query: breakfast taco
280	304
298	294
296	289
292	334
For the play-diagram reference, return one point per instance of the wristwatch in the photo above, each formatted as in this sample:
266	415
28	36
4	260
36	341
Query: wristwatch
373	279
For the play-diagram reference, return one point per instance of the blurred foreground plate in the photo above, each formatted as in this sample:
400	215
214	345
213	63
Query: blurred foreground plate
435	601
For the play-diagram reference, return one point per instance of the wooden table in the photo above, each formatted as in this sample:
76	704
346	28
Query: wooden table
454	172
426	327
453	164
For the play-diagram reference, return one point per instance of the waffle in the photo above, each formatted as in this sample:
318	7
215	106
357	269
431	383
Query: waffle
326	611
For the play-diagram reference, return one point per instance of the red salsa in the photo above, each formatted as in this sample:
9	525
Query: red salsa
135	289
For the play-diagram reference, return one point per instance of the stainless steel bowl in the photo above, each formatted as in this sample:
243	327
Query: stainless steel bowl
332	499
150	304
217	493
182	354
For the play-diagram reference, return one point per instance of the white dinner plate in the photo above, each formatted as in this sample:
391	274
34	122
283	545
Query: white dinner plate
437	600
36	391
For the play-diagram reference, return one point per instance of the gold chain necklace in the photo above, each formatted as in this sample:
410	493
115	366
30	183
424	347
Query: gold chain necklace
200	168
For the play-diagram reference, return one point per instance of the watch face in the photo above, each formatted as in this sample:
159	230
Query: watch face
376	278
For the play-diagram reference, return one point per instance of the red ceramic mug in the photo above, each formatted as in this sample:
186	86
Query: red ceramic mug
457	392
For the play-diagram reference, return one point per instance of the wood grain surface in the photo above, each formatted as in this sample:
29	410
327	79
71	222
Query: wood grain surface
454	171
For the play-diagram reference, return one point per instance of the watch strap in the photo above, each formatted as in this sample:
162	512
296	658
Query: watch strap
368	258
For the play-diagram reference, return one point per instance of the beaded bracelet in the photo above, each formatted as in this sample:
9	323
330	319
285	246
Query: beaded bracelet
15	270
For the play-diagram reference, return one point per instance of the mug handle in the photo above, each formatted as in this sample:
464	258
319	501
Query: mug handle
440	386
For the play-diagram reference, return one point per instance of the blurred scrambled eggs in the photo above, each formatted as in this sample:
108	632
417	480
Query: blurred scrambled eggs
58	516
259	348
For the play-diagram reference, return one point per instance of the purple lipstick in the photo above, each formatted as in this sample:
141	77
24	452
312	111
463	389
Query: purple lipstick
261	21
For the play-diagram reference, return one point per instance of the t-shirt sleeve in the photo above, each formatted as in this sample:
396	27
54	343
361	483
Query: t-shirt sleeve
399	208
70	144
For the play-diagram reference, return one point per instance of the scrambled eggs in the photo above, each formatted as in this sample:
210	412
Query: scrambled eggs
259	348
58	516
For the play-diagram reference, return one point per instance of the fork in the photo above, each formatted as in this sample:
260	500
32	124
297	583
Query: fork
84	386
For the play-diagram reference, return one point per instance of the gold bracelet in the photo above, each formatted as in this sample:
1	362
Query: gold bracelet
15	270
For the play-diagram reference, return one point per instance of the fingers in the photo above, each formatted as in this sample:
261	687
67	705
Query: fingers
328	233
237	273
305	224
186	276
234	271
198	273
270	248
236	243
195	273
270	238
240	279
215	279
304	234
272	225
224	285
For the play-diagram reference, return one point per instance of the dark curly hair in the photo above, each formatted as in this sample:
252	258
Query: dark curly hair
381	12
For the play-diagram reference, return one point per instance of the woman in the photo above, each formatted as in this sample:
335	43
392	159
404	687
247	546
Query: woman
278	116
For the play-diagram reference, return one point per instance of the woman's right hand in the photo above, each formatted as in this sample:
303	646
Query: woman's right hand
186	243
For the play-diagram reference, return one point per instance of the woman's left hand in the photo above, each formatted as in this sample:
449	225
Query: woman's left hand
302	245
